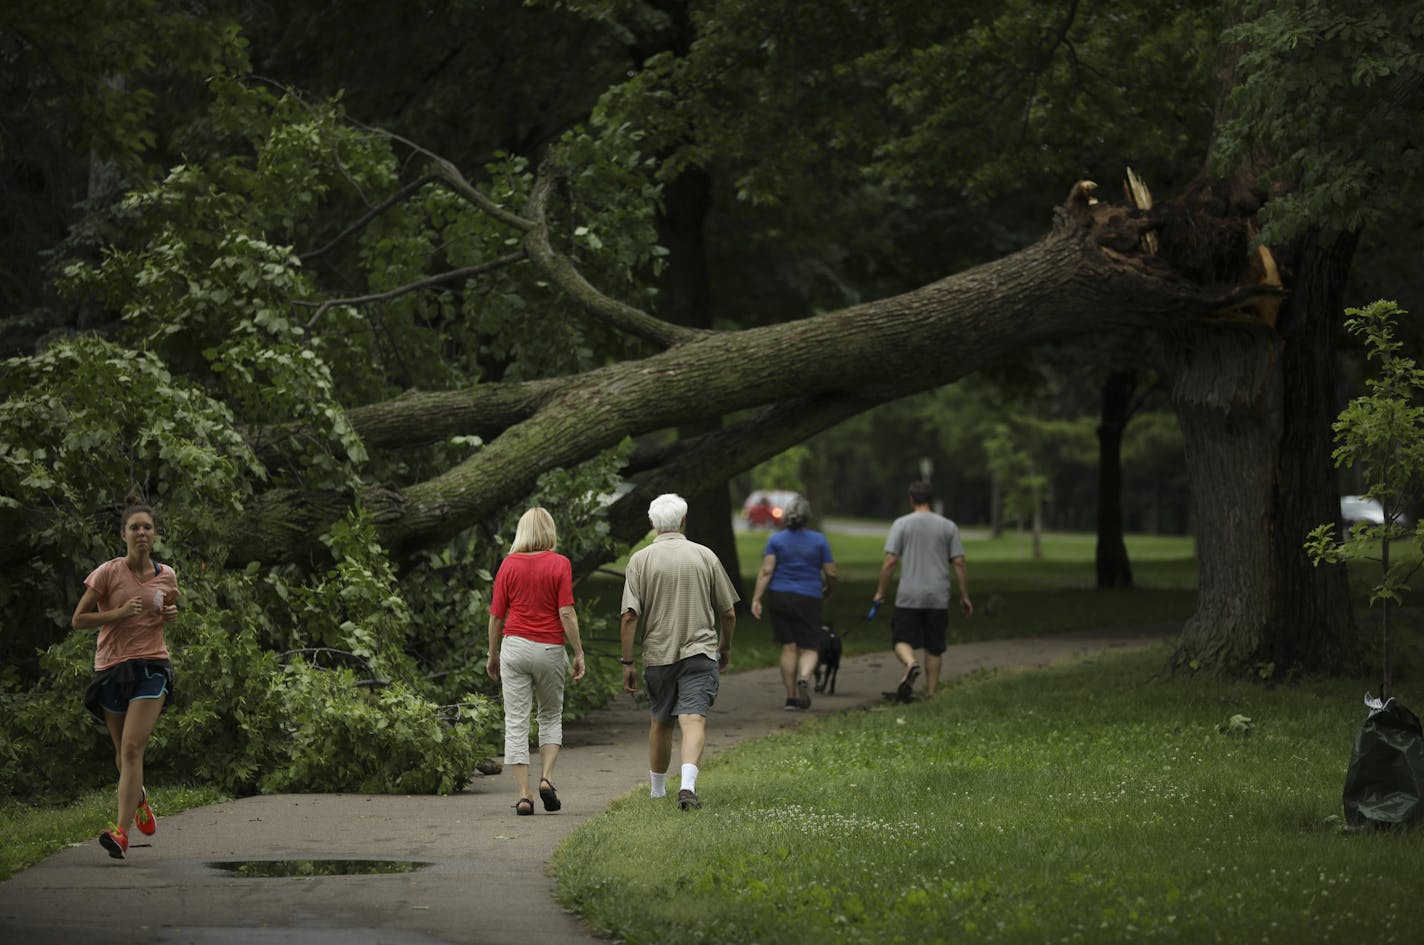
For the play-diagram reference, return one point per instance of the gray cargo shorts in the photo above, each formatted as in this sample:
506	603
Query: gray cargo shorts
687	687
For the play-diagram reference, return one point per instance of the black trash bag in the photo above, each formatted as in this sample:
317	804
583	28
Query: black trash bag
1385	783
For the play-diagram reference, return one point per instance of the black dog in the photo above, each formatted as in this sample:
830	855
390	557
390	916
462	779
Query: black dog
828	662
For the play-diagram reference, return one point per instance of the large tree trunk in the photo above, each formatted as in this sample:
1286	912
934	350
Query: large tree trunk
1113	565
686	300
1093	272
1312	624
1227	392
1256	406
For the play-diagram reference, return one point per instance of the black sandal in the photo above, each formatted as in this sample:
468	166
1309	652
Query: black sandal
524	807
549	796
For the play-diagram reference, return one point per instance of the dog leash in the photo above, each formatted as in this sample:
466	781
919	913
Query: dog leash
869	616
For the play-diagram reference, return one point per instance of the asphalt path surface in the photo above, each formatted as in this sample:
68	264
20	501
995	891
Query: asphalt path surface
485	879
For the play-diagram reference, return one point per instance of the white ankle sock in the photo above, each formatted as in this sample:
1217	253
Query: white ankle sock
659	784
689	777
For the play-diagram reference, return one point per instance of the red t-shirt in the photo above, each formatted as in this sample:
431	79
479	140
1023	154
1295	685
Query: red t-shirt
528	592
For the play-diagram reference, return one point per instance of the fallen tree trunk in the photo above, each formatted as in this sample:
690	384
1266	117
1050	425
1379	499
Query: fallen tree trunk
1079	279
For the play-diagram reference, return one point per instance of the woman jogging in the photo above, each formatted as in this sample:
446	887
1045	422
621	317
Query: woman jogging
129	599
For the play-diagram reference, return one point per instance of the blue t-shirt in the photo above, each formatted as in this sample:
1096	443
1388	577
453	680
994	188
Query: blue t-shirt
800	553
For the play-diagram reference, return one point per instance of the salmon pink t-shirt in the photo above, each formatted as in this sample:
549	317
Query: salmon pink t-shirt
528	592
139	637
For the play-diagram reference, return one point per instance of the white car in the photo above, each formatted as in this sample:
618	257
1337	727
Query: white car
1357	508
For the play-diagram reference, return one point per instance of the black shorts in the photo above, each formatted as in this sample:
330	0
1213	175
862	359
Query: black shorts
114	688
921	627
795	618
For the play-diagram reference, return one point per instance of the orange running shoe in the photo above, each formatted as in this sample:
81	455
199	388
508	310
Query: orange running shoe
116	842
143	817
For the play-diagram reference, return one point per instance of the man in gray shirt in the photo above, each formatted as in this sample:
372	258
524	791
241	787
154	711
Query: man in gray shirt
683	595
923	545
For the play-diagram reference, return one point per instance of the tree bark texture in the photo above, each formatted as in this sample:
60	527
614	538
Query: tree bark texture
1256	407
1312	624
1227	393
685	299
697	465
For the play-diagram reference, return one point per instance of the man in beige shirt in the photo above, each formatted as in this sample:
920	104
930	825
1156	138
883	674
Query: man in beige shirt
682	594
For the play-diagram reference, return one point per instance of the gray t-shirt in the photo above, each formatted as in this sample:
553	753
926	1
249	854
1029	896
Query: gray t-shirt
925	543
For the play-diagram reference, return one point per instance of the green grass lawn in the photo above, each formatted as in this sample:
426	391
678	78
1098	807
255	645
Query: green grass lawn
1097	802
1013	594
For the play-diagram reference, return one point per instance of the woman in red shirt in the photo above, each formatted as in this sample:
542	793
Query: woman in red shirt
531	618
129	599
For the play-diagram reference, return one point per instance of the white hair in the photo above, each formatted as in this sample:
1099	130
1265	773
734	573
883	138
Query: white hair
667	511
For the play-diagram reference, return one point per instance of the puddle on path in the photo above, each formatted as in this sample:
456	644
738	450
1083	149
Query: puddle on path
289	869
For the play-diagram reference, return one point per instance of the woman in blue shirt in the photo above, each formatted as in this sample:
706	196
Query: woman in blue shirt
797	574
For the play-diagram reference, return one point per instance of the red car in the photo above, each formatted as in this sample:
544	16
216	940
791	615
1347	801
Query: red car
763	508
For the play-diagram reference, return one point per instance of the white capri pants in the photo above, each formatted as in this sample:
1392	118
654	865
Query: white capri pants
531	672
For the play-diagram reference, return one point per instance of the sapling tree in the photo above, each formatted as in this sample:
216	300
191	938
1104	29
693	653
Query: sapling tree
1381	433
1022	484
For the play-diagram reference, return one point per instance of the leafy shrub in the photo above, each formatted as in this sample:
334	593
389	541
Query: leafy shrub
242	719
338	738
227	725
80	424
51	747
355	607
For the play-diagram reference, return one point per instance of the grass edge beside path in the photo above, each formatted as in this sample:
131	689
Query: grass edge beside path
34	832
1094	801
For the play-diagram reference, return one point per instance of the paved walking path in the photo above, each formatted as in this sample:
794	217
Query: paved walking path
486	884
